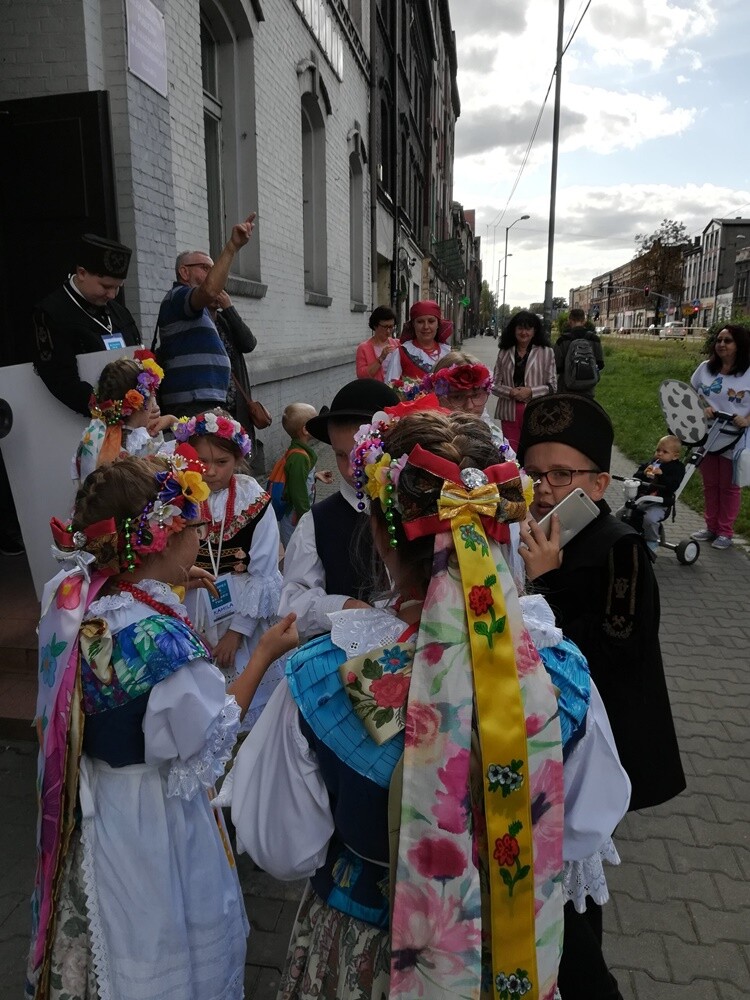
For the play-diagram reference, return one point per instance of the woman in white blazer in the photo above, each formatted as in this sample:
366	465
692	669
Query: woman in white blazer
525	368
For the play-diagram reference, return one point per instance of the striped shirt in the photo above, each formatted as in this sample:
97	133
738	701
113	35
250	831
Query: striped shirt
195	362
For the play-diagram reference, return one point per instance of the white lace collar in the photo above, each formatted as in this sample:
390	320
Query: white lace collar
122	599
540	621
247	491
359	629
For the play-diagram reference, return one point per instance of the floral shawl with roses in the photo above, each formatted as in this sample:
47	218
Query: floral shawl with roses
444	943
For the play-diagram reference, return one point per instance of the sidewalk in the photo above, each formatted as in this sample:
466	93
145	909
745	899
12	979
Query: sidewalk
678	924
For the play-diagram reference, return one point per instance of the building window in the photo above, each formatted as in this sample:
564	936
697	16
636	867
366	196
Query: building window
356	228
229	130
314	217
385	167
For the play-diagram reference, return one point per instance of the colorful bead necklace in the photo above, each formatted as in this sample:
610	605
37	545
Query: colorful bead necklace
144	598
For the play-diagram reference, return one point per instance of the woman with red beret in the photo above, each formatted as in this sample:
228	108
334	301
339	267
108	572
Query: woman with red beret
423	343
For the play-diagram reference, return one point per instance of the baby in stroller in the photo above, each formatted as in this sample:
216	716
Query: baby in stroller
659	477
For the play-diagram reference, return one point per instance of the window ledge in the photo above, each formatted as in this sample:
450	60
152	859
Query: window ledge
246	287
358	307
316	299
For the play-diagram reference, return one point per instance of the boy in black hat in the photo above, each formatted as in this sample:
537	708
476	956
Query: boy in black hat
327	562
82	316
605	597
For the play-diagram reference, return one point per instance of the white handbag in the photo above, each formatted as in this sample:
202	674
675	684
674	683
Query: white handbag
741	461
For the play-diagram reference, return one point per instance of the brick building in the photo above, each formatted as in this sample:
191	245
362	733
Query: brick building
162	124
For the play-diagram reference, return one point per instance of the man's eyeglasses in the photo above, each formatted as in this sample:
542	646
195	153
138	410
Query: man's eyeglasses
557	477
200	263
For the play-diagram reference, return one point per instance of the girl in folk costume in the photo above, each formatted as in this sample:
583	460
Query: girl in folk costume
423	343
125	417
136	890
241	550
411	763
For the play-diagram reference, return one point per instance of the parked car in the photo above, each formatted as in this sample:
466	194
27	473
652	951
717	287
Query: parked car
674	329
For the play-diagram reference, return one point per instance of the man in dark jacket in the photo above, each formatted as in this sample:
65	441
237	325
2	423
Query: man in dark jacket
576	330
83	316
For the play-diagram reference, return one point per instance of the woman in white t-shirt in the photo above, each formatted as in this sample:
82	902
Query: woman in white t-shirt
723	384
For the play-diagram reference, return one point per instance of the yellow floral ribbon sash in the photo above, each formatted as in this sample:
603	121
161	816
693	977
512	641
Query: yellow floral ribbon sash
502	736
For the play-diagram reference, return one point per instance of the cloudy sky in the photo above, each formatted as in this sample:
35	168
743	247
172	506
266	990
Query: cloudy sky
654	125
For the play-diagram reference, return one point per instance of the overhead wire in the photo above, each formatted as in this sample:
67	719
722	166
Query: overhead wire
494	224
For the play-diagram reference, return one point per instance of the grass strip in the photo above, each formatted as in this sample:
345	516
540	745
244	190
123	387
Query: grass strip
629	391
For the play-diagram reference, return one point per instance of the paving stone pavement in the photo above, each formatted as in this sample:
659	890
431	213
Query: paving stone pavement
678	924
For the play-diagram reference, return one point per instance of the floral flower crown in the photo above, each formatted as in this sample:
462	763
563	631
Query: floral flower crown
113	411
500	494
460	378
120	547
213	423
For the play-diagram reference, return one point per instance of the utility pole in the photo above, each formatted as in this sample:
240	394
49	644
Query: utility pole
553	185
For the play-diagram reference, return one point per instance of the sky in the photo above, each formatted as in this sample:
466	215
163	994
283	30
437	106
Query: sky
654	125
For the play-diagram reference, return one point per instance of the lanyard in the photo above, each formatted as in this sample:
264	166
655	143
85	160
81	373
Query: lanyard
105	326
215	563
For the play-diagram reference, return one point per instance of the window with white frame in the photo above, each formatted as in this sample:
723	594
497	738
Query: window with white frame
314	217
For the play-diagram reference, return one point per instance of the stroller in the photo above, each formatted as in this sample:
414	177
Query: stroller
685	419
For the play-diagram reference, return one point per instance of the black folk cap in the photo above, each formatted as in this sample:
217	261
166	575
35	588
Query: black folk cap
572	419
356	401
102	256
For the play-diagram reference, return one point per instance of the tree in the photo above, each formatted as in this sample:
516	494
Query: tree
658	265
487	304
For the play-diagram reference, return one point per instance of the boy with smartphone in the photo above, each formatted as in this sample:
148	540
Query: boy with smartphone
605	597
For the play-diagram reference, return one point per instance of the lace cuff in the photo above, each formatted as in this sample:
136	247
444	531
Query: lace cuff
359	629
257	598
586	878
540	621
202	770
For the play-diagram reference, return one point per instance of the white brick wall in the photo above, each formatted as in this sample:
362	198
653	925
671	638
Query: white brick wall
304	352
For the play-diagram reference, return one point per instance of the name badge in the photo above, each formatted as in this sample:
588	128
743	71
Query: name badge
113	341
220	607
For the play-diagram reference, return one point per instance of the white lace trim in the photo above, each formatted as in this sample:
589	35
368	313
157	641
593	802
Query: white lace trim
540	621
202	770
247	491
122	599
257	597
99	952
359	629
586	878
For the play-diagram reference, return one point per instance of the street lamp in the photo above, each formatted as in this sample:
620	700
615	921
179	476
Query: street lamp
505	274
497	290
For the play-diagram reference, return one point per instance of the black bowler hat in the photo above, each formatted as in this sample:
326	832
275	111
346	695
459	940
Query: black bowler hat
357	401
105	257
572	419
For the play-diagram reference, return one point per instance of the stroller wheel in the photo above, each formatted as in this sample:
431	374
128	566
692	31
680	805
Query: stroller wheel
687	552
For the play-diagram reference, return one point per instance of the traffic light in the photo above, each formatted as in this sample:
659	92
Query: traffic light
647	291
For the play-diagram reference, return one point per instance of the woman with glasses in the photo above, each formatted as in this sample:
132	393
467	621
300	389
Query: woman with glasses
723	385
525	369
372	353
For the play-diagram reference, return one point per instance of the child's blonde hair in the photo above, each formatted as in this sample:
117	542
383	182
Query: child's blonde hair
295	416
672	441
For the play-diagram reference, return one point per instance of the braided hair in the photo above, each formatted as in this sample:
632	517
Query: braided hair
457	437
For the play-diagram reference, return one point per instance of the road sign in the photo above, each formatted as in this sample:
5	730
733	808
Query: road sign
697	303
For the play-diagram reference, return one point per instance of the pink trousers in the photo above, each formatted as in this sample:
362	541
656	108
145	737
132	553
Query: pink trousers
512	428
721	497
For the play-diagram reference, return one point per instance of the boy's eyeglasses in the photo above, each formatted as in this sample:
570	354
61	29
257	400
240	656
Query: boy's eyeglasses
556	477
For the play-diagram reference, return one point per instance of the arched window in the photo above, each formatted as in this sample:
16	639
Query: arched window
356	228
227	56
315	239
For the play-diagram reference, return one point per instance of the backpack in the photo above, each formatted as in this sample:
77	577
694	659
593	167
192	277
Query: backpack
276	485
581	369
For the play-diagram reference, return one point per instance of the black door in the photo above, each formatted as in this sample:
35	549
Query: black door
56	182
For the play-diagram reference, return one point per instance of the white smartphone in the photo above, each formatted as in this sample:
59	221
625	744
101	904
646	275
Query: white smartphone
575	511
